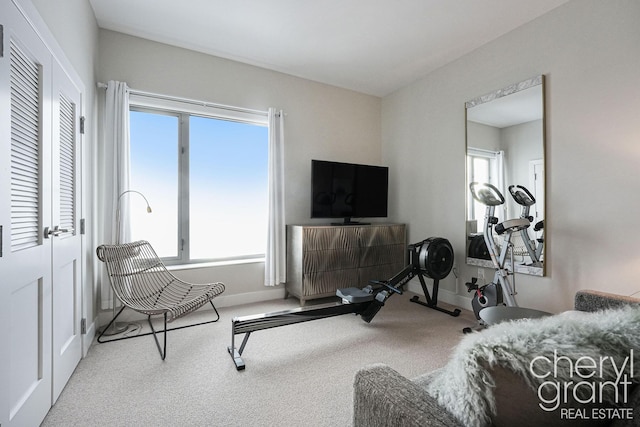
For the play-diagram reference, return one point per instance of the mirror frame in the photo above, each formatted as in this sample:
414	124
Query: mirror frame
538	80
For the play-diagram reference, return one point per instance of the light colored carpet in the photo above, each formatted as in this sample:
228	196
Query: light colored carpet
296	375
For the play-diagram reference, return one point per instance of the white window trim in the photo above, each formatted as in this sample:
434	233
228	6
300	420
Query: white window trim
199	108
145	101
496	174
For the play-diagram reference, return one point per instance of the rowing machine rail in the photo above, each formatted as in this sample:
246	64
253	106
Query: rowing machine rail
432	258
257	322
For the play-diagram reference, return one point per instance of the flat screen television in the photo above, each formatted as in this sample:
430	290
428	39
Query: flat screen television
347	190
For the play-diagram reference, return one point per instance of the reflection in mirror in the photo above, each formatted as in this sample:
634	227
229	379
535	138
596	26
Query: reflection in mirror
505	148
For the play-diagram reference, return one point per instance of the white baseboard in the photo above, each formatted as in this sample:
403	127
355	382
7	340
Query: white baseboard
223	300
249	297
267	295
444	295
88	337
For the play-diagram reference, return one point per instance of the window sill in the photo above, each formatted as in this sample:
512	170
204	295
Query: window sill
214	264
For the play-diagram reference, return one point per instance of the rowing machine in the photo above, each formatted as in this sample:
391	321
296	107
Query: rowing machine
432	258
435	261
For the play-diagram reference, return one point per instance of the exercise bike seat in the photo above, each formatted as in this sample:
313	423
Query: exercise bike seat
512	225
354	295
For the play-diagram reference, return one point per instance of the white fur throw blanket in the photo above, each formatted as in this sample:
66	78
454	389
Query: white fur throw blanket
464	386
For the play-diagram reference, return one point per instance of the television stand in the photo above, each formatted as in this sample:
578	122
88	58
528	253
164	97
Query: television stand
322	258
347	221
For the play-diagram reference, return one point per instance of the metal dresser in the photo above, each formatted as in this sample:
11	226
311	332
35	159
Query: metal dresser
324	258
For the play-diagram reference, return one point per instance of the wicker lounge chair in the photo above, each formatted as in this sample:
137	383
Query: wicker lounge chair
142	282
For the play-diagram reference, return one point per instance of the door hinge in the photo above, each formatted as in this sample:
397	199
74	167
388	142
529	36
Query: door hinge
82	124
1	234
82	230
1	41
83	326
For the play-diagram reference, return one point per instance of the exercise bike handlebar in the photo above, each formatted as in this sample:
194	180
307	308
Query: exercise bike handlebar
521	195
486	194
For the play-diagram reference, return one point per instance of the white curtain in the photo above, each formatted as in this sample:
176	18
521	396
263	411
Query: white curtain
275	268
501	181
113	165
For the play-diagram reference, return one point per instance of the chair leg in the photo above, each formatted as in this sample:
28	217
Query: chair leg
163	351
111	323
214	309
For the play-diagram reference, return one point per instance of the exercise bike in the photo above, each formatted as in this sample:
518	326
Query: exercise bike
499	291
524	198
432	258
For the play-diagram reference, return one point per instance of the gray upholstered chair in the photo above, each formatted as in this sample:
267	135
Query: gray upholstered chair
383	397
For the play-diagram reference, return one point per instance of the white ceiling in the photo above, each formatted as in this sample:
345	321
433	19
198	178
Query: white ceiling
517	108
370	46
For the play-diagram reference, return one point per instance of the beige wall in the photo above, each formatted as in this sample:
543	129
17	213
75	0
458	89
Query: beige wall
588	51
322	122
74	27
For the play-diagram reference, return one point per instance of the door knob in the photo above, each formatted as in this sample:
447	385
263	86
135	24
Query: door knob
56	231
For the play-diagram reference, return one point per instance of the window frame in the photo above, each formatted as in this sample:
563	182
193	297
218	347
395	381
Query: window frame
494	163
183	110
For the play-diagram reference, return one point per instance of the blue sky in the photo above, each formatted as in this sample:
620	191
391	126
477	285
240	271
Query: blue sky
228	184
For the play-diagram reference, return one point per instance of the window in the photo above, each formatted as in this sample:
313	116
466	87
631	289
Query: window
205	177
485	167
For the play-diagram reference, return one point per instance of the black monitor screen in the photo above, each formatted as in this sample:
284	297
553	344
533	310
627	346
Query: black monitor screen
345	190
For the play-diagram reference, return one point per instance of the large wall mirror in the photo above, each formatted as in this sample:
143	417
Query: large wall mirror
505	148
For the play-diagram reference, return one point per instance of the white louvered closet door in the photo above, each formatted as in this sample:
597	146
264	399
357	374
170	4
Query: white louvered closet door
25	209
40	250
66	240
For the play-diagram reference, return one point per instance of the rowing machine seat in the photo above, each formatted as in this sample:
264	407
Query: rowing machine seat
354	295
